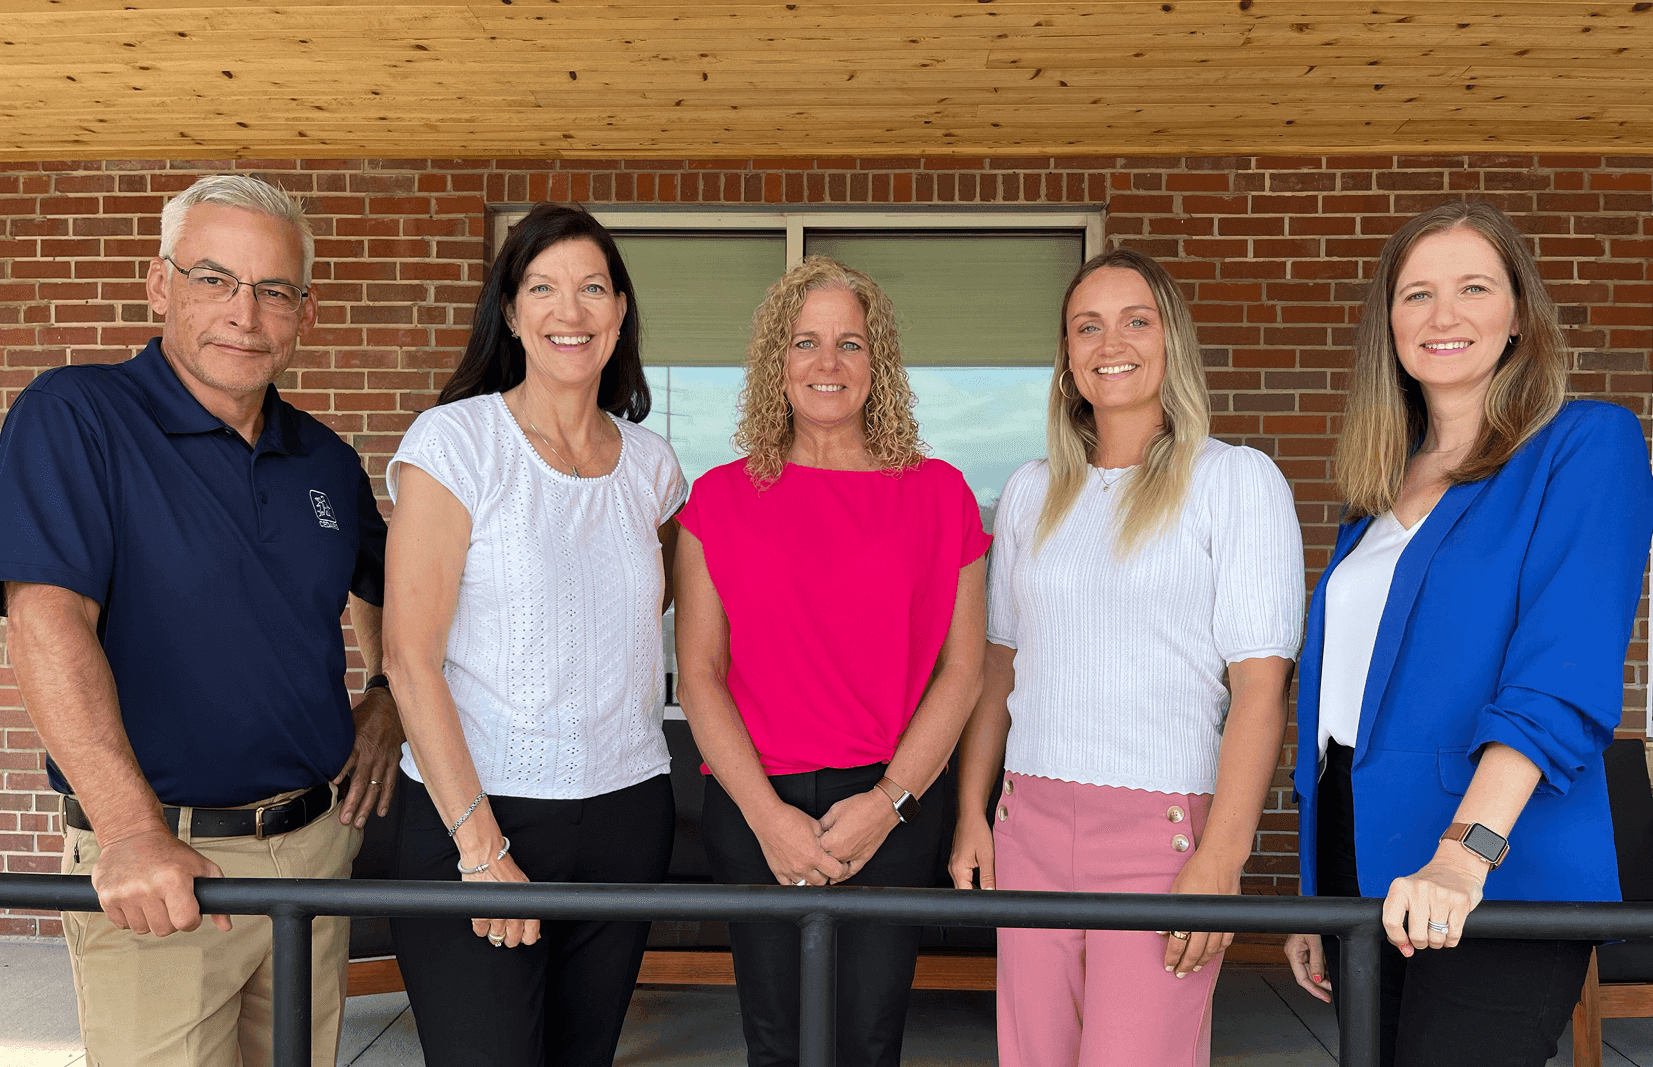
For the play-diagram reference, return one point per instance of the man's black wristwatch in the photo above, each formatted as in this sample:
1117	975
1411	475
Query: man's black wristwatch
906	805
1487	844
378	681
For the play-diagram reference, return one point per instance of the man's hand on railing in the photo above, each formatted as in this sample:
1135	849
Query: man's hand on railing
1207	874
972	854
146	883
1307	957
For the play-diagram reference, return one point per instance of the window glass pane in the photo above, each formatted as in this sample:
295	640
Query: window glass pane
697	292
694	409
986	421
972	299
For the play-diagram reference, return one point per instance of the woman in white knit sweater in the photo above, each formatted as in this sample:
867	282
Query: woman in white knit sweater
1130	571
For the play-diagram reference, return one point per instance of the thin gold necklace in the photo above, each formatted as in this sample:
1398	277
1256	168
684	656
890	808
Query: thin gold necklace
548	443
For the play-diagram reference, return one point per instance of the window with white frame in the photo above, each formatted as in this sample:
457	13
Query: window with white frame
977	299
976	296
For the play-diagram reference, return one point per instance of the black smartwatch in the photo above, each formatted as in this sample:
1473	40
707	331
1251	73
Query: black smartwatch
906	805
1487	844
378	681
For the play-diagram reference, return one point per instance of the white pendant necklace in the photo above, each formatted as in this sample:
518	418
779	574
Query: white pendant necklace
1109	482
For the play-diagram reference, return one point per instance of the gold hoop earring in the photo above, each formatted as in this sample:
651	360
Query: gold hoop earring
1062	384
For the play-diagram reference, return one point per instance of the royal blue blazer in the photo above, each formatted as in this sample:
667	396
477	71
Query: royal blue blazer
1507	621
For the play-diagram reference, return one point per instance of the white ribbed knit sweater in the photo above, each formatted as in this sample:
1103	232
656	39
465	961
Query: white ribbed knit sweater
1119	663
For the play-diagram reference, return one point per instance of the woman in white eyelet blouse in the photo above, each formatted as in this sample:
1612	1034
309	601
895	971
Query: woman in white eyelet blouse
526	577
1133	573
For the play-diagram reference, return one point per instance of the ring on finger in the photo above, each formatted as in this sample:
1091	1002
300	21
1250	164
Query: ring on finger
1440	928
496	940
1180	935
801	881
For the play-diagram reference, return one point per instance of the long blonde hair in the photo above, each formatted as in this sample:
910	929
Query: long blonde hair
1386	415
1153	495
765	432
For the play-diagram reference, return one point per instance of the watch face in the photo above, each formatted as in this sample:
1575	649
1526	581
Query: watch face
1484	842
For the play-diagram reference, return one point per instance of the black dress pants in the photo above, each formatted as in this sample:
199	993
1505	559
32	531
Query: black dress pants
875	963
563	999
1489	1001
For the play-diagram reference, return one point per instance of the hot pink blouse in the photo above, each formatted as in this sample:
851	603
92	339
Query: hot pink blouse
839	587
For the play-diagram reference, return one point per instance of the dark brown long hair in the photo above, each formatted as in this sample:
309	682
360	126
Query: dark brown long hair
1386	415
494	361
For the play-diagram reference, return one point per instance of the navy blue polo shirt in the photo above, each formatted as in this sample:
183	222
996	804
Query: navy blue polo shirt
222	569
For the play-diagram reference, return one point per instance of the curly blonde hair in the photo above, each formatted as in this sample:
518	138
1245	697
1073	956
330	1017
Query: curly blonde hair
765	432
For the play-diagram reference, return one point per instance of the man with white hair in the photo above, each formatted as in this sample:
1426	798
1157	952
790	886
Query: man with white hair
178	544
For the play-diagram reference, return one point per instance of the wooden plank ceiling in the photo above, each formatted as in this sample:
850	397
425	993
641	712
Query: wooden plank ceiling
569	78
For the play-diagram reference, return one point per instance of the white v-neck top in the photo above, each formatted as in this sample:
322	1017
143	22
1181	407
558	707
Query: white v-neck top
554	656
1355	596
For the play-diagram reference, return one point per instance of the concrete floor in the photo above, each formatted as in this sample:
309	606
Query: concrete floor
1261	1020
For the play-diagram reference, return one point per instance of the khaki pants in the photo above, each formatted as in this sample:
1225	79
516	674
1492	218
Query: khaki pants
204	998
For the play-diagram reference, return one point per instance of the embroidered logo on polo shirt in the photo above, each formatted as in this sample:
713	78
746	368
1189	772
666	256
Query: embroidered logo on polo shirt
324	510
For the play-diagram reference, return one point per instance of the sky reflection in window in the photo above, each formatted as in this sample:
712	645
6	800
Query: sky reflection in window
986	421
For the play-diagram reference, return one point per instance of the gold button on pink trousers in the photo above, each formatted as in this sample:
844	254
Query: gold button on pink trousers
1065	836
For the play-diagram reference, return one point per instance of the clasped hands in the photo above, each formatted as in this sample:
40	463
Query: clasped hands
804	851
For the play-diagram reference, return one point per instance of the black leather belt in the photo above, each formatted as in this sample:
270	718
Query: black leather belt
261	822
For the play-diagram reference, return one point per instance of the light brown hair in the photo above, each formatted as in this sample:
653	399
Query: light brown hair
1386	415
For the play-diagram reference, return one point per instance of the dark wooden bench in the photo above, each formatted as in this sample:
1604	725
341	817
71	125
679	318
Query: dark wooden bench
1620	981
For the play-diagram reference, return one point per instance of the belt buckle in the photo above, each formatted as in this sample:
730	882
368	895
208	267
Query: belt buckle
258	821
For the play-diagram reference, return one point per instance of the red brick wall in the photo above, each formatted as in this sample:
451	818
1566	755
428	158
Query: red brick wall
1271	250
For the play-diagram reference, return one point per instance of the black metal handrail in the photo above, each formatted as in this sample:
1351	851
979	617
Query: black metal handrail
292	903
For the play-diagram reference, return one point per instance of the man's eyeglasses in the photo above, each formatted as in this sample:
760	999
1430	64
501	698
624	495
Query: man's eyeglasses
218	287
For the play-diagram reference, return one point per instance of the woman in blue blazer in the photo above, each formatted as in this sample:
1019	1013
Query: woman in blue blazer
1463	668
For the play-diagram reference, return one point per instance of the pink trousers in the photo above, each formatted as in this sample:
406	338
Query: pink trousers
1096	998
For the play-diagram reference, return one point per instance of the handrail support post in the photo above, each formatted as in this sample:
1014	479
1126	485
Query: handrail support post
1361	993
291	944
818	992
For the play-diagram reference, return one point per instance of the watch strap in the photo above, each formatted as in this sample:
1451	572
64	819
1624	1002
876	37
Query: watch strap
378	681
906	805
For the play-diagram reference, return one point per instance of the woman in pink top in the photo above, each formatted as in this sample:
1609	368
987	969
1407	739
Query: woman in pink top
830	627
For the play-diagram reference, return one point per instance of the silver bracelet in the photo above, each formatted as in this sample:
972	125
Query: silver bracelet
479	869
480	797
